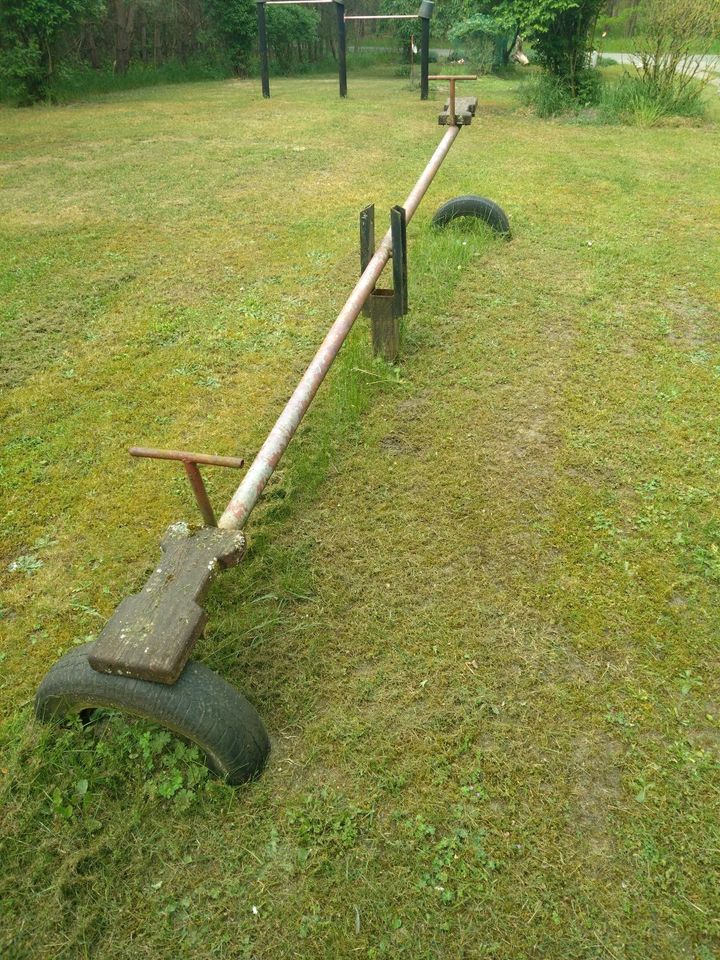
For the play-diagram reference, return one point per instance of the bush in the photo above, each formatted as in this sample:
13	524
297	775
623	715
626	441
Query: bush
634	101
291	33
551	96
22	76
30	31
671	31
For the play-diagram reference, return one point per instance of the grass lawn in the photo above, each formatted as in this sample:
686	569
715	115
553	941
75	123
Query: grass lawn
479	614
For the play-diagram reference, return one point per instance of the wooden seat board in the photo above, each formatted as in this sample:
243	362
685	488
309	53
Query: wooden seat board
151	634
465	108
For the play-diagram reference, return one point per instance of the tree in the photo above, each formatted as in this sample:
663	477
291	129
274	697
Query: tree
486	41
560	31
124	12
236	22
29	33
289	28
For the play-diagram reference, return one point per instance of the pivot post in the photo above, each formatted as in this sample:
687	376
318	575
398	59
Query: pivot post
263	45
425	13
342	57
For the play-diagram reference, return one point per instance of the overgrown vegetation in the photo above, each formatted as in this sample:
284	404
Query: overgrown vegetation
632	100
30	31
622	24
560	31
670	38
550	96
478	613
614	99
667	77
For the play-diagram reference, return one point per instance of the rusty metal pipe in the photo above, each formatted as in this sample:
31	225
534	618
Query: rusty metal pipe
186	456
198	487
262	467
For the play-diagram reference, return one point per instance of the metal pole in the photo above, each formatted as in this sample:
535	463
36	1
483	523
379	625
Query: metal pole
154	454
262	467
203	501
262	40
342	59
398	229
425	13
384	16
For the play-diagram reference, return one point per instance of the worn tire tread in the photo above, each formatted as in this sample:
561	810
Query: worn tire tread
200	707
471	205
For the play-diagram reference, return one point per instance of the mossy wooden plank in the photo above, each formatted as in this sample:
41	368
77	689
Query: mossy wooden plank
151	634
465	108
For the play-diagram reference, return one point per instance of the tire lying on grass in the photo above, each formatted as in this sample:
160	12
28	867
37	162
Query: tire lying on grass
200	707
473	206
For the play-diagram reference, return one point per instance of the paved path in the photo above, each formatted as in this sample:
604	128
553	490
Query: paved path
708	64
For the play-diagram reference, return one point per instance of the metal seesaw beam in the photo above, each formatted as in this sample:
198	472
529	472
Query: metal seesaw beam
262	467
151	634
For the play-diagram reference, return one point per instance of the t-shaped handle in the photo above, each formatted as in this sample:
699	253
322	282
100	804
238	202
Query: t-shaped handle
453	78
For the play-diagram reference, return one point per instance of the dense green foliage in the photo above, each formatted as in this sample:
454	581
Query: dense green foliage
29	34
485	41
236	24
563	34
49	45
560	31
288	29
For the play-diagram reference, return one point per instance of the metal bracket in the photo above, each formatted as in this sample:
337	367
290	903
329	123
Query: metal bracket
385	307
367	243
398	230
399	259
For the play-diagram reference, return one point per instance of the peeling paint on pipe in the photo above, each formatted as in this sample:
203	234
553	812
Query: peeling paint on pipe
262	467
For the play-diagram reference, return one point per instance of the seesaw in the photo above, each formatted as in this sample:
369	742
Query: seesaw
140	664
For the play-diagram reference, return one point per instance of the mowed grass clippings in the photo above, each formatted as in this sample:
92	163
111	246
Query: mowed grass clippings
479	612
